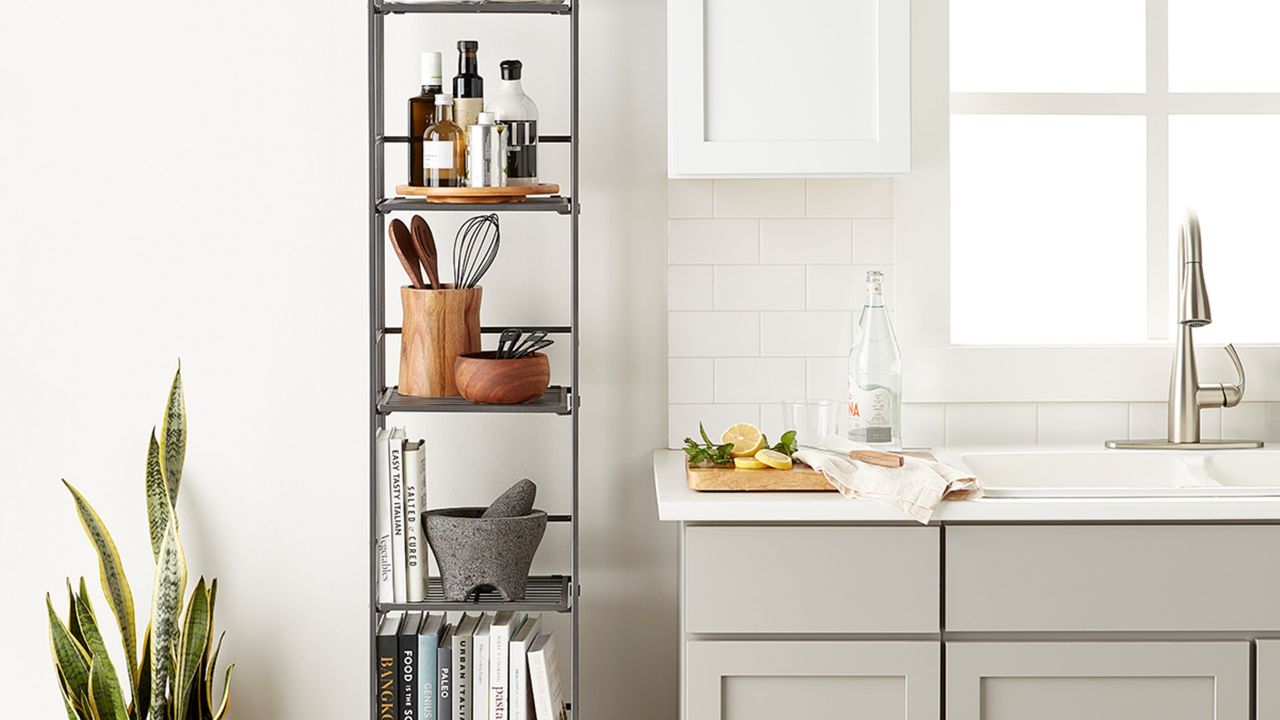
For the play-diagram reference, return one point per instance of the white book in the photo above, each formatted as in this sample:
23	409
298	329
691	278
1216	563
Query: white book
415	480
463	652
544	676
480	669
395	472
520	706
386	589
505	624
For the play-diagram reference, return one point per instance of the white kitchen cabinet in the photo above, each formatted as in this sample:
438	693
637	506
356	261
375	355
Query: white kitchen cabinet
1098	680
802	88
746	680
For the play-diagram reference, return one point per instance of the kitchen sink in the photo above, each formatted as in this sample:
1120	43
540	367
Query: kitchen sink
1125	473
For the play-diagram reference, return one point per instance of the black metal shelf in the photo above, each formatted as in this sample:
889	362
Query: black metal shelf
497	8
496	329
544	593
401	139
554	203
554	401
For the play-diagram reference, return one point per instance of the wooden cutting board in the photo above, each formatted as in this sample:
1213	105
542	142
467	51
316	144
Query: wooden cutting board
800	478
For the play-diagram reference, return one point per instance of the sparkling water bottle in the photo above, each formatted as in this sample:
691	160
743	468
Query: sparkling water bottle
875	374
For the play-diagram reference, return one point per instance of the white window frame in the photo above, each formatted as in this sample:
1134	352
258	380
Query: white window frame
939	371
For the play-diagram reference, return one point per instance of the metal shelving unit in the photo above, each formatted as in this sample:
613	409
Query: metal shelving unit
553	593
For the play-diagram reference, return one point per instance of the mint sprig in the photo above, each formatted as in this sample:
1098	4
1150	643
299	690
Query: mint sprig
707	451
787	445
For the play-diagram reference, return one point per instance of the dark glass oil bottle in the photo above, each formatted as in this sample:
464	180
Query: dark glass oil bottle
468	86
422	110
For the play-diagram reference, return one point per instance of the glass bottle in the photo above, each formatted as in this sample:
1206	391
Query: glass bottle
443	148
514	109
875	374
422	108
468	86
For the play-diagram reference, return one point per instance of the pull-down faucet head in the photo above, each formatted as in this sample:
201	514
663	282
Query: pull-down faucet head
1193	297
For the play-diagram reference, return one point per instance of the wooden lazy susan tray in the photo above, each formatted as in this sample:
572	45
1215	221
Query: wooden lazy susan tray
465	195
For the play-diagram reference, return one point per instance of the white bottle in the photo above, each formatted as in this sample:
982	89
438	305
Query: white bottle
875	374
512	108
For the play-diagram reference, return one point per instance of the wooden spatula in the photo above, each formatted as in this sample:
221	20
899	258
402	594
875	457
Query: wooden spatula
425	242
402	241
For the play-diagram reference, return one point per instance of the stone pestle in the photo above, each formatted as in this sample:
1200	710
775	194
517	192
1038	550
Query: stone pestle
517	501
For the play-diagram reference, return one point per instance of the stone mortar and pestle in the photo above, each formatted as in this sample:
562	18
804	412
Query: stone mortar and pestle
487	549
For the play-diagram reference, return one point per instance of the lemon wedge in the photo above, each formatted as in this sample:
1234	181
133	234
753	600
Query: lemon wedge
746	438
746	463
774	459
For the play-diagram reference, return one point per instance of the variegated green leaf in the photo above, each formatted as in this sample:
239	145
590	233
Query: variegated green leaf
159	506
105	699
73	622
226	696
71	658
166	605
114	582
174	432
142	700
71	711
210	673
195	638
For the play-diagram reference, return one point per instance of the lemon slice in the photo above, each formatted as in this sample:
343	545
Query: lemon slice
746	438
774	459
746	463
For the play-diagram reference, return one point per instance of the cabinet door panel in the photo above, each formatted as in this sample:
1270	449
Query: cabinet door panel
1099	681
842	67
1268	680
733	680
810	579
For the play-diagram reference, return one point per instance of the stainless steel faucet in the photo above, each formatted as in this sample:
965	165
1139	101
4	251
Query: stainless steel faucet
1187	395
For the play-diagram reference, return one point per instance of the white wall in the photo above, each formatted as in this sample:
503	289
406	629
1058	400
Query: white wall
765	281
189	180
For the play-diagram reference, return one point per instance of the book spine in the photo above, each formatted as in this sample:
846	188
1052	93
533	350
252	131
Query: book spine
415	478
386	590
541	684
444	668
462	677
395	454
480	677
407	667
518	685
499	646
428	659
387	693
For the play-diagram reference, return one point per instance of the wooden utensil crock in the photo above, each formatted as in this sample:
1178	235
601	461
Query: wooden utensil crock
439	325
484	378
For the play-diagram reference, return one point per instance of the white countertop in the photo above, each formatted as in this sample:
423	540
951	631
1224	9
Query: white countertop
677	502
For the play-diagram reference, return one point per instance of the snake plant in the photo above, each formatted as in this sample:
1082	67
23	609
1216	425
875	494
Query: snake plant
172	676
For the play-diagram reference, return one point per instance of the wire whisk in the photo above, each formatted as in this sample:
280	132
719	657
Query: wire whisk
474	249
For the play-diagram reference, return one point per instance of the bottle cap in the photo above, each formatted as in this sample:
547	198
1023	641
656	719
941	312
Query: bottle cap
511	69
485	118
444	99
471	45
431	69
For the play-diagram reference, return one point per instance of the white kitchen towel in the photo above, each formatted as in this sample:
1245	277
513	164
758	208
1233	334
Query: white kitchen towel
916	488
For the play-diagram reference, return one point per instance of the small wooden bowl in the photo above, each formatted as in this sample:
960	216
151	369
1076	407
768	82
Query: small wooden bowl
481	377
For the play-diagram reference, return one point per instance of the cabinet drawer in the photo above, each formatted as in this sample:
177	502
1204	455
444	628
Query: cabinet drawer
1117	578
1267	680
781	679
1099	681
810	579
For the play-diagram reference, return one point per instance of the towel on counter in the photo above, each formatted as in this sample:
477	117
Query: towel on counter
916	488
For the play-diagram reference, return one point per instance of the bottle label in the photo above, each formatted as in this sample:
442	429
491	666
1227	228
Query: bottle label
872	411
437	154
466	111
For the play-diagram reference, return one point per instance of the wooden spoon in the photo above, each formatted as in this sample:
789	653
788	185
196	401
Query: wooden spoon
425	242
402	241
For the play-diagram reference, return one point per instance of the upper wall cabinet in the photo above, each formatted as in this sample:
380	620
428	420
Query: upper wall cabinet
761	88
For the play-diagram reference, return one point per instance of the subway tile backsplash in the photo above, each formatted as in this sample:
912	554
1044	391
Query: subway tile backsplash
765	283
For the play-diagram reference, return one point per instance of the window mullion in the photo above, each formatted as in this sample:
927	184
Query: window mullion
1158	170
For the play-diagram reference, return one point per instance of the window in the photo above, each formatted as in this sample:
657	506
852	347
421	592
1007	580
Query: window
1079	131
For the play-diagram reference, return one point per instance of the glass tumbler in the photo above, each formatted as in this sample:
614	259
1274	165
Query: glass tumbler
812	420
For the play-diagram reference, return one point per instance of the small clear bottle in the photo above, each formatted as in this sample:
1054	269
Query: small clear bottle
875	374
444	148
